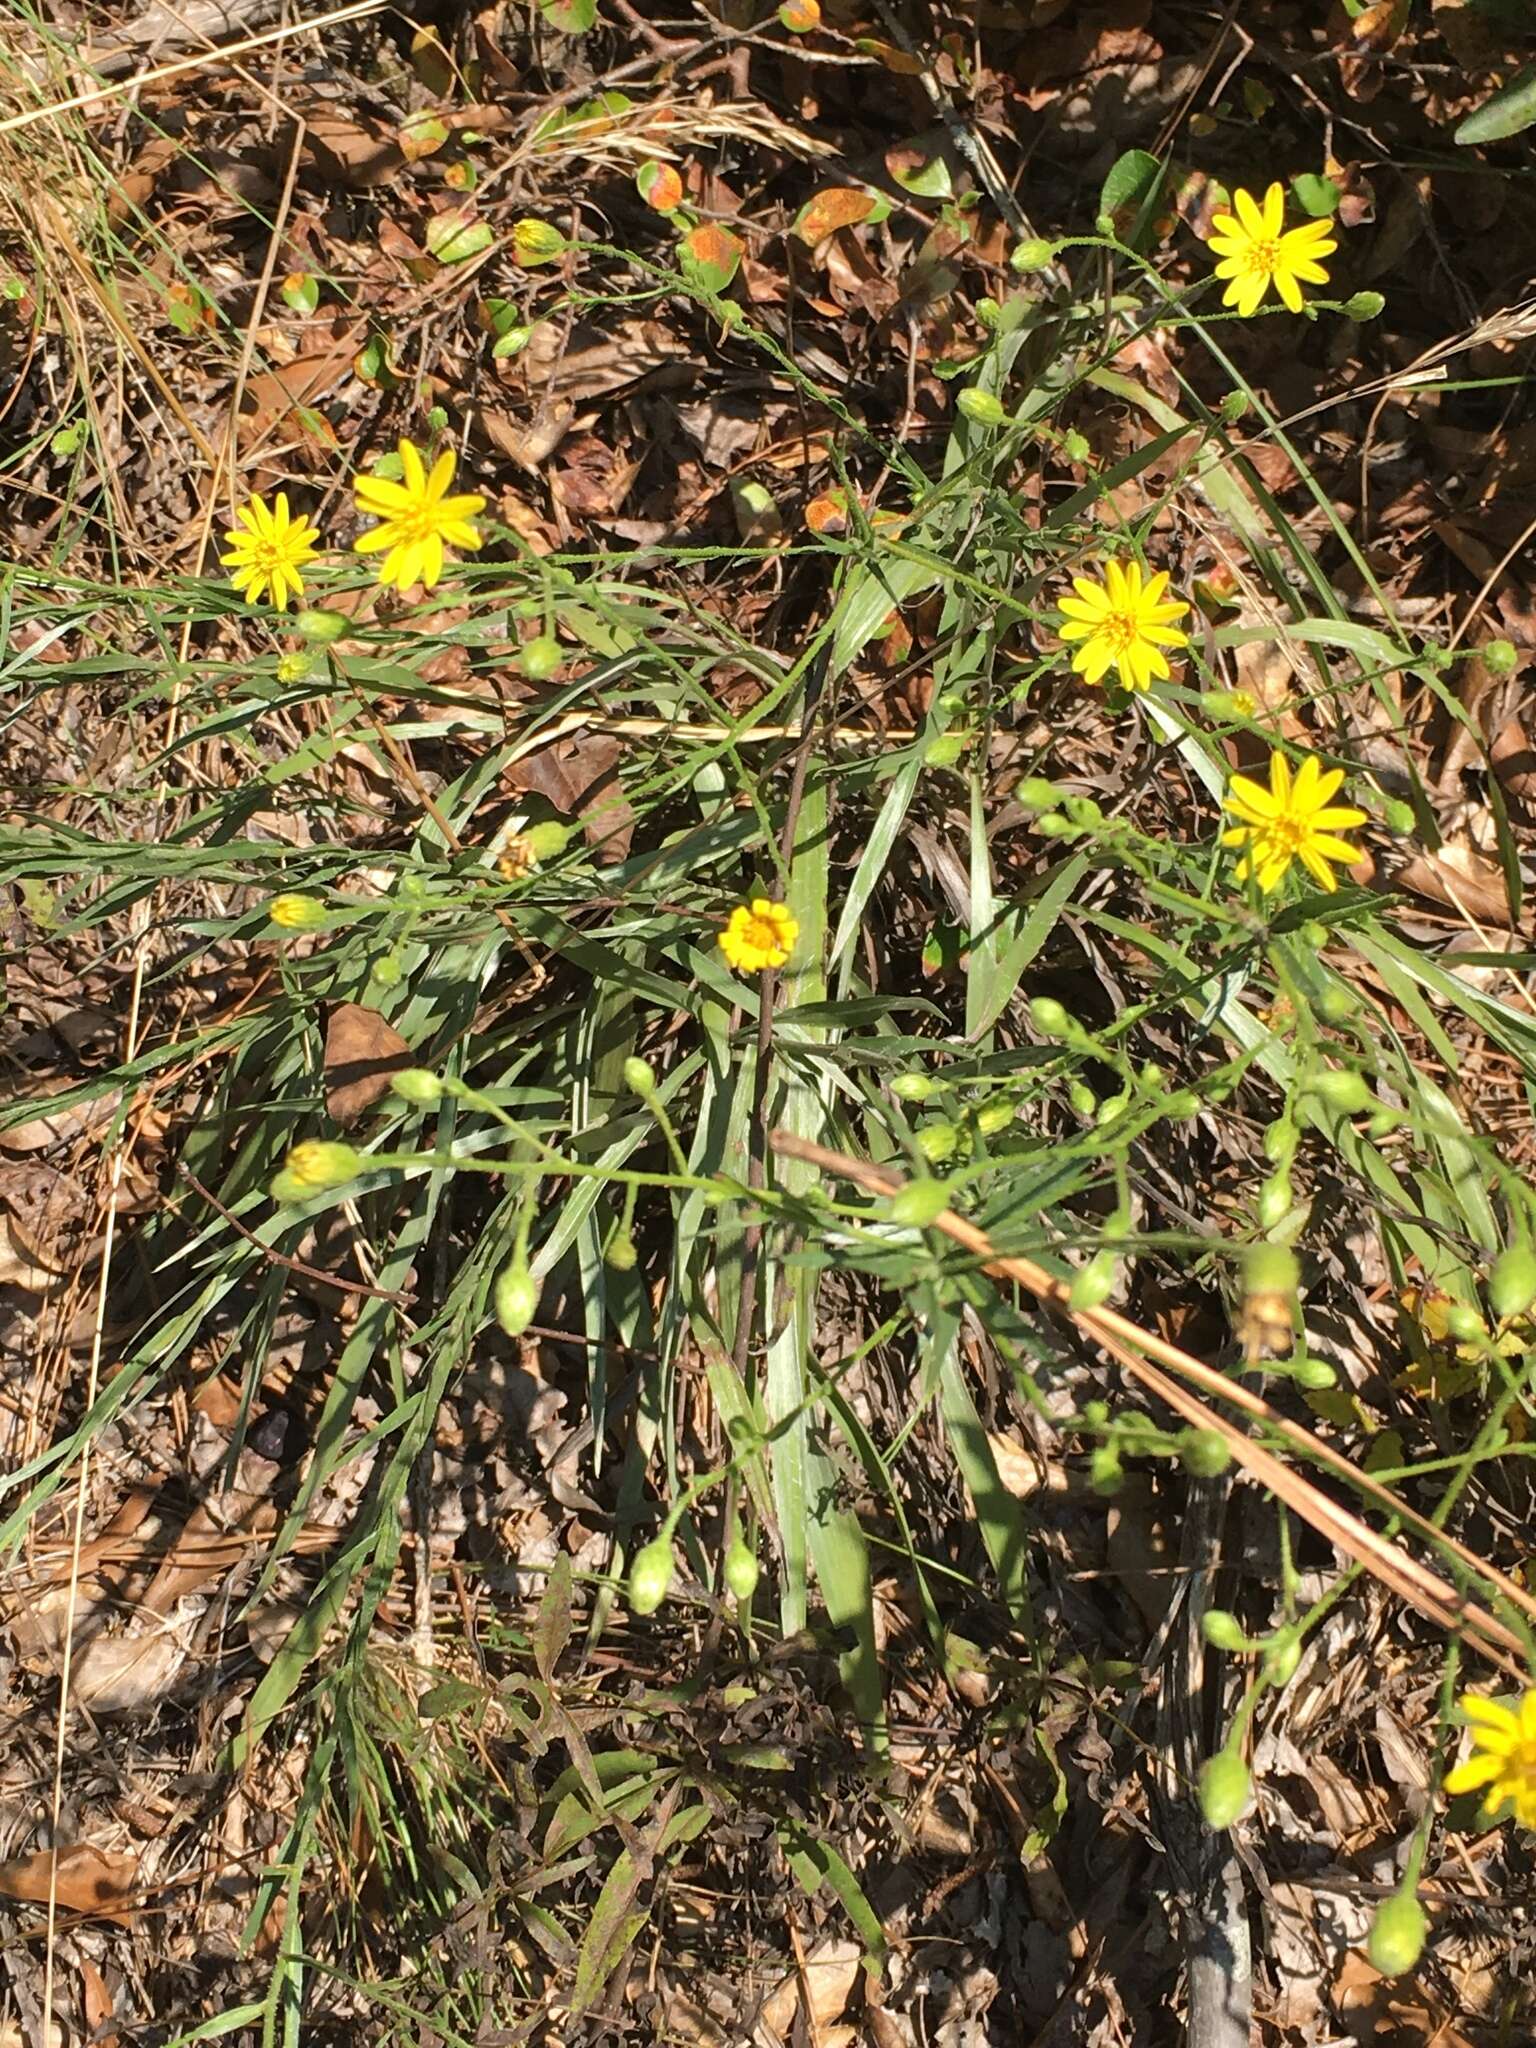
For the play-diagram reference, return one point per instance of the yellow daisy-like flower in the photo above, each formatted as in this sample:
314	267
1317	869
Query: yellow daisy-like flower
1257	251
1502	1765
1123	623
269	548
416	517
1291	820
760	934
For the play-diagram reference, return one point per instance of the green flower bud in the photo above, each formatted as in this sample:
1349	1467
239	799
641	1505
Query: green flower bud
1034	793
993	1117
1205	1452
546	841
740	1571
945	750
621	1253
1106	1474
1315	1374
1282	1657
1083	1100
1222	1630
937	1141
418	1085
913	1087
919	1202
322	627
1052	1019
1396	1939
988	314
1275	1199
1054	826
1234	407
538	659
1336	1004
1225	1787
639	1077
1095	1282
650	1576
387	971
1096	1414
1499	656
1112	1107
1464	1324
1034	254
981	407
515	1298
296	913
1270	1269
1183	1103
1363	305
1512	1283
1343	1090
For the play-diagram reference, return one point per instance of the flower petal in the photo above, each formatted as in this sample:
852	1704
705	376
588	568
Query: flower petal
1473	1775
1249	216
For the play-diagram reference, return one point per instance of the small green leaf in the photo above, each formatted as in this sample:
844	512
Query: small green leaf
1511	110
455	236
930	180
1133	181
570	17
1315	195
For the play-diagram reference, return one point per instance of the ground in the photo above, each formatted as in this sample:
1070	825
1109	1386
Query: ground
926	1463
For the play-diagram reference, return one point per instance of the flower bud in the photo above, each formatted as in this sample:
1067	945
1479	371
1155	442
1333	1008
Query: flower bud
913	1087
621	1254
538	659
1205	1452
1083	1100
296	913
545	841
640	1077
1034	254
418	1085
1363	305
1051	1018
322	627
1512	1283
1095	1282
740	1570
1035	793
1396	1939
1315	1374
321	1163
1343	1090
515	1298
945	749
650	1576
1282	1657
1274	1199
1225	1787
981	407
993	1117
1106	1474
1464	1324
1499	656
1222	1630
919	1202
937	1141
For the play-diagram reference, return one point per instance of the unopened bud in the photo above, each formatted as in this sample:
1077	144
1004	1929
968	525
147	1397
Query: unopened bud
650	1576
515	1298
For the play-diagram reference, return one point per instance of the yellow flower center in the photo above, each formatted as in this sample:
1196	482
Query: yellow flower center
761	932
418	523
1122	630
1264	257
269	555
1289	831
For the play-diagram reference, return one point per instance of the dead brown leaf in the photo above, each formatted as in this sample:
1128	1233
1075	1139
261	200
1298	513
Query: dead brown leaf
579	777
362	1051
97	1883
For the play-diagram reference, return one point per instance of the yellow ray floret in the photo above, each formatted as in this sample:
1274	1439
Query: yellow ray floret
417	519
1292	820
759	934
269	549
1123	623
1502	1765
1257	251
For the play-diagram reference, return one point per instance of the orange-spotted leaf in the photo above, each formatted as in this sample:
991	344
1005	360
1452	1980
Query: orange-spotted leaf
829	512
710	256
800	16
840	206
660	187
421	135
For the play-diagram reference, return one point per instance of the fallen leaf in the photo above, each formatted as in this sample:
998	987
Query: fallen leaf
96	2005
840	206
362	1050
579	777
97	1883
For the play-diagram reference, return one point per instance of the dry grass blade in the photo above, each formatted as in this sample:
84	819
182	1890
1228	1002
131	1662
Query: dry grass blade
1126	1342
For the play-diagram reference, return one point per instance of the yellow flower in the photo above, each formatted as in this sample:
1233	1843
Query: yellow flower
1502	1765
297	913
415	518
760	934
268	548
535	242
1123	624
1258	252
1291	820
